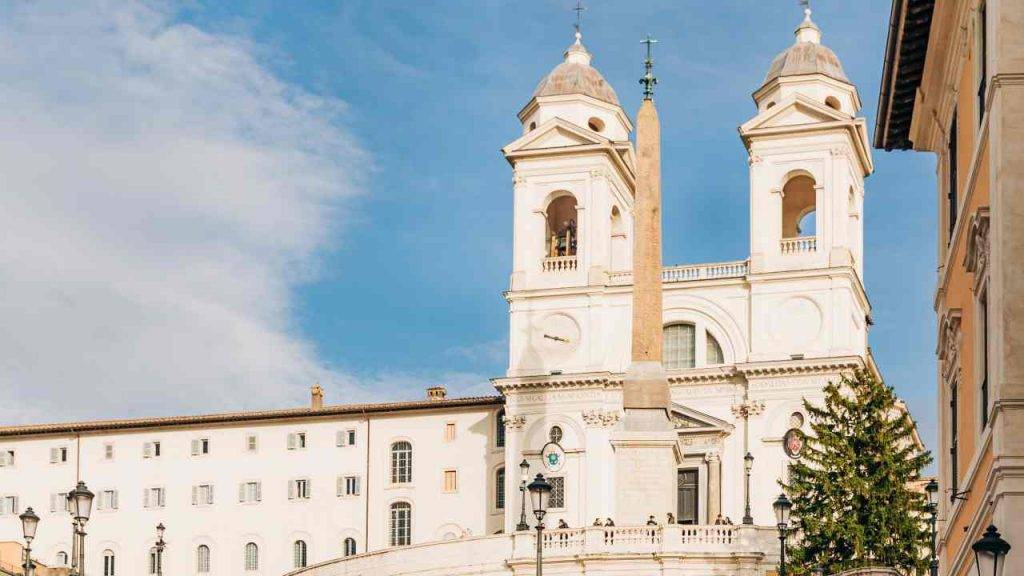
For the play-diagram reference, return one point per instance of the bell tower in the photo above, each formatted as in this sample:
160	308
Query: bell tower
809	156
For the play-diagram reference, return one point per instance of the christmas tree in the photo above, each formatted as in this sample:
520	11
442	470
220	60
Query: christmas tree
853	500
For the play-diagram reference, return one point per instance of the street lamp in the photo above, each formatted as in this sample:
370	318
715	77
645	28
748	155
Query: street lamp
540	491
989	553
80	500
931	489
782	508
748	464
160	549
29	523
524	478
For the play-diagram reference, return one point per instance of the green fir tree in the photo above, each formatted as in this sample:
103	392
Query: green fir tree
853	503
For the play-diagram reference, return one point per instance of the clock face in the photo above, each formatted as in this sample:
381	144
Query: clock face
559	335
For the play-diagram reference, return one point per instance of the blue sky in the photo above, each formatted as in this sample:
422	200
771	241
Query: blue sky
373	253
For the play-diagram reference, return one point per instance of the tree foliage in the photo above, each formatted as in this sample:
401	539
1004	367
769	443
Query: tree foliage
853	502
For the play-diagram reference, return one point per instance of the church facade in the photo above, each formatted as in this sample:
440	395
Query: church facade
434	487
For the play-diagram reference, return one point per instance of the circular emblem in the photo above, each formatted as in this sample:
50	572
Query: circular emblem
553	457
793	442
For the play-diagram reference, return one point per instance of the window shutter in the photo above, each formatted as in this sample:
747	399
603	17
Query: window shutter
209	494
53	455
14	506
241	491
291	441
145	498
195	495
161	493
358	482
113	499
259	491
309	488
341	485
195	447
291	489
53	502
147	450
339	438
352	437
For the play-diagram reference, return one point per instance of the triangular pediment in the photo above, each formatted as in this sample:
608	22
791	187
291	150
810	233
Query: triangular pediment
686	419
555	133
798	110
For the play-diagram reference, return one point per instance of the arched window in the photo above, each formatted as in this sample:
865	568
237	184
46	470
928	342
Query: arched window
499	488
561	227
679	345
798	206
618	245
350	546
62	559
401	463
555	434
299	554
714	351
833	103
252	557
203	559
108	563
154	561
400	526
499	429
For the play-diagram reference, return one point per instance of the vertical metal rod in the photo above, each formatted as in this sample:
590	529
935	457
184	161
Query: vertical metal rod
540	561
81	550
74	548
747	518
782	551
522	514
933	566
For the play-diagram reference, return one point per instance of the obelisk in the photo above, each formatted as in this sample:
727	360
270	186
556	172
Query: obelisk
645	442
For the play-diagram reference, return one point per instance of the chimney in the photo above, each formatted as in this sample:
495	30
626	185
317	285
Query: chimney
436	393
316	394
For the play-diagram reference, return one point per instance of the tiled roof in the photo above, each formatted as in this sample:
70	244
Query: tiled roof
229	417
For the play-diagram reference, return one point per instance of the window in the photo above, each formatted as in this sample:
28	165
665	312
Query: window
251	491
714	351
108	500
59	502
499	489
9	505
595	124
401	463
154	561
799	200
451	481
951	161
555	434
983	354
6	458
108	451
832	102
62	559
203	559
688	496
59	455
350	546
678	346
953	443
297	441
449	431
252	557
401	524
153	498
981	66
202	495
299	489
200	446
151	450
561	237
557	497
346	437
299	554
251	443
499	430
108	563
348	485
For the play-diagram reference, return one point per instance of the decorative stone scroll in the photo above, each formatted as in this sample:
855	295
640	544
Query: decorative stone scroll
602	418
515	422
949	342
747	408
976	259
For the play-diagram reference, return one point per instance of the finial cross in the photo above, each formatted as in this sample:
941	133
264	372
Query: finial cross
649	81
579	9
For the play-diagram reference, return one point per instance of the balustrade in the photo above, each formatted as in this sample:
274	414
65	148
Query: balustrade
559	263
798	245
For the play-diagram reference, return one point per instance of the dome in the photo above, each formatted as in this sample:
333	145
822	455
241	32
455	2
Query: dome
806	56
576	76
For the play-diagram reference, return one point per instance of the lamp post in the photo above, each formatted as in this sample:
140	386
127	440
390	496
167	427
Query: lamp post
931	489
748	464
160	549
81	507
540	491
29	523
989	553
782	508
524	478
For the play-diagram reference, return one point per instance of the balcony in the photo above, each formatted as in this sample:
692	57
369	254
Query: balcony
799	245
559	264
592	550
690	273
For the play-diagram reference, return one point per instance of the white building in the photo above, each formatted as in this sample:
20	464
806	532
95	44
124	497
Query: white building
745	343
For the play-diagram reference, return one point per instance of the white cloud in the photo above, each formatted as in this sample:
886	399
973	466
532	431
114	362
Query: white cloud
161	194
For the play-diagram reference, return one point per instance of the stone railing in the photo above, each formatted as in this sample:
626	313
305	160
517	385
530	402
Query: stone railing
508	554
690	273
797	245
559	263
